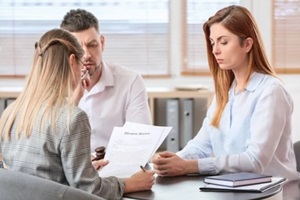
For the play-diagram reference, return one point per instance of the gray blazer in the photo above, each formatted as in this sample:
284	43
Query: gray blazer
20	186
60	156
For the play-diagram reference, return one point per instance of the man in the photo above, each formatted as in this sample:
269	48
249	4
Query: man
115	94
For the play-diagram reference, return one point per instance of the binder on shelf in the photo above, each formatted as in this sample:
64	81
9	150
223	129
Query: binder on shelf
172	119
2	105
186	121
8	101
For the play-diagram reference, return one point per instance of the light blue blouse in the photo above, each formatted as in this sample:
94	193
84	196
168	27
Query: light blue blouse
254	133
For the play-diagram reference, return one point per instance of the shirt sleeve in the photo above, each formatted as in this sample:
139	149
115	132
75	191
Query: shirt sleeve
200	146
76	161
137	109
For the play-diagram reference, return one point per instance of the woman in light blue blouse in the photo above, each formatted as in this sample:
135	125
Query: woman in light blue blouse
248	125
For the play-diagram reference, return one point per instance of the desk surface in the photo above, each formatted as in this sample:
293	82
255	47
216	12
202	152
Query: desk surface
187	188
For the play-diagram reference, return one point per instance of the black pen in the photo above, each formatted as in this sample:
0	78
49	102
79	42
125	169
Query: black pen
142	168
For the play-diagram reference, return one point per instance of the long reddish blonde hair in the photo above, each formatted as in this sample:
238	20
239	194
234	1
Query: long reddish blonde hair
239	21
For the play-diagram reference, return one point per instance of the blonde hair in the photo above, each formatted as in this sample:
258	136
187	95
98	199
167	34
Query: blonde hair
49	83
239	21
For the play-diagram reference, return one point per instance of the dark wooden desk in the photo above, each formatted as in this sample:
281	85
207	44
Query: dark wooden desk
187	188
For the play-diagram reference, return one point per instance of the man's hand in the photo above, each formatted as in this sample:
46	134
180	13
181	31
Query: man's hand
84	83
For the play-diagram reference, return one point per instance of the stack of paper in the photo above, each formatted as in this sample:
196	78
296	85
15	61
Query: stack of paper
261	187
238	179
130	147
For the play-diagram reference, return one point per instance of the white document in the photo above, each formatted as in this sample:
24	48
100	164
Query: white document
130	147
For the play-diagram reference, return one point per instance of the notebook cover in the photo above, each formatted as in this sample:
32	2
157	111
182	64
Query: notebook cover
238	179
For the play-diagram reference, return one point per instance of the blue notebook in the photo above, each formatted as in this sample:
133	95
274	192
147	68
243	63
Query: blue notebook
237	179
259	187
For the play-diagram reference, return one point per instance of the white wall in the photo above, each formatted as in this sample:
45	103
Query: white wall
293	86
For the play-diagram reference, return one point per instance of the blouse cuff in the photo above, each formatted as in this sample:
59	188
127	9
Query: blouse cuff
205	166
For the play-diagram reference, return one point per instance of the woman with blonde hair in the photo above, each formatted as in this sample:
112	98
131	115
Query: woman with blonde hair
248	125
44	133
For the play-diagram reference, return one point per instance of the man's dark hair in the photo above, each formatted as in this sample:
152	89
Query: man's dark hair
79	20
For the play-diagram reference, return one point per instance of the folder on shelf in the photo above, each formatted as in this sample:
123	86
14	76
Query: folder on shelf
2	105
186	121
172	120
8	101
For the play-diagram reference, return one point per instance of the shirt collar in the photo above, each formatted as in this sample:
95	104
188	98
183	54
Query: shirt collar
254	81
107	78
